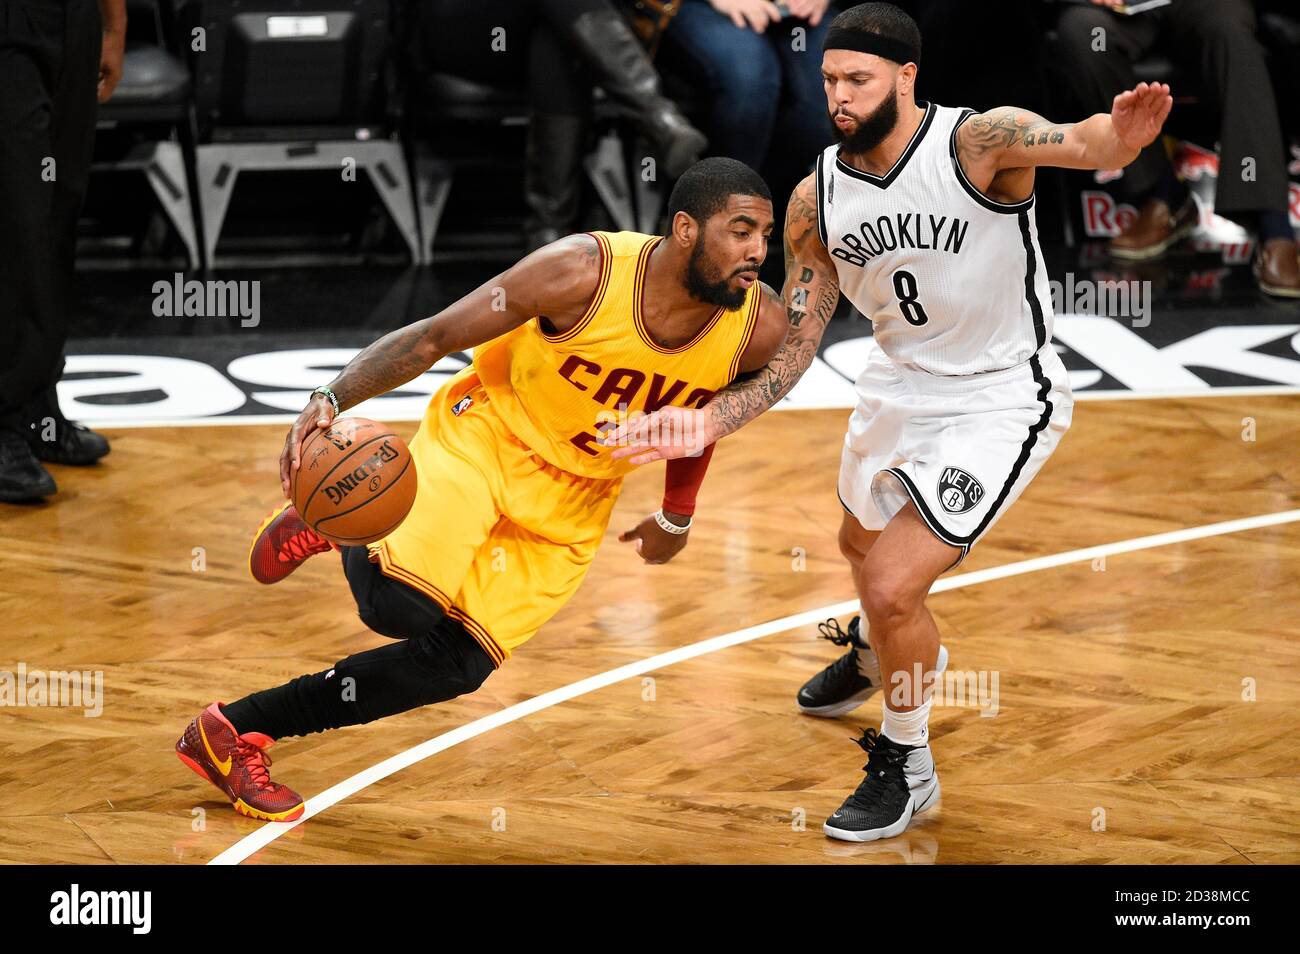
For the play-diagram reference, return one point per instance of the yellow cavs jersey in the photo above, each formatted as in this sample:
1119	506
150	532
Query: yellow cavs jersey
555	392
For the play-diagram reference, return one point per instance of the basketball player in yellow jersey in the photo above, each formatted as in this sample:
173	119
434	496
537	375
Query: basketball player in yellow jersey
515	491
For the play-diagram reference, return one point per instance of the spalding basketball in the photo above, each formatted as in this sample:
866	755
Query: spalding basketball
355	481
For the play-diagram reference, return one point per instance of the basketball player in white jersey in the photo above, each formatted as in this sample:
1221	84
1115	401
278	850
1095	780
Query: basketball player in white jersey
923	216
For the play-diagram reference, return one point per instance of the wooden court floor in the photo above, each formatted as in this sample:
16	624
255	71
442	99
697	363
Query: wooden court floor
1145	707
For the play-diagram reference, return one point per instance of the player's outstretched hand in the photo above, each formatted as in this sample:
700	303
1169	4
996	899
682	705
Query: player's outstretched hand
1138	114
653	542
318	413
668	433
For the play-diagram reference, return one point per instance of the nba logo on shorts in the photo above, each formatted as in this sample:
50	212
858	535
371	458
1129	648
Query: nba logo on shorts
461	405
958	490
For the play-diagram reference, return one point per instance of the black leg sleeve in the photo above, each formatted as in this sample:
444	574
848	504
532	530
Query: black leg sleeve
388	607
419	671
436	660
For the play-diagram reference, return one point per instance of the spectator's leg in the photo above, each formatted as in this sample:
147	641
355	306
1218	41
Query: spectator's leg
1279	31
803	127
561	97
72	140
27	68
1095	53
738	74
1252	160
30	44
601	36
1094	58
1252	183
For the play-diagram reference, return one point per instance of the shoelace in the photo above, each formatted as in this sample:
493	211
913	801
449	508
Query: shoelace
257	762
831	630
884	760
302	545
847	665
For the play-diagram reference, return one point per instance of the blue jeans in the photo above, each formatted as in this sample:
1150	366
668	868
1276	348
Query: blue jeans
766	104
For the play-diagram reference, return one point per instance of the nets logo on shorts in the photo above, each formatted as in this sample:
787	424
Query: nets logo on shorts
958	490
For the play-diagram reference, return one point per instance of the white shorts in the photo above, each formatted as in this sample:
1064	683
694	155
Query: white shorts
963	449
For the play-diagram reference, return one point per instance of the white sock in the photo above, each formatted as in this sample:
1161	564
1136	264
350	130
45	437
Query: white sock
907	728
868	664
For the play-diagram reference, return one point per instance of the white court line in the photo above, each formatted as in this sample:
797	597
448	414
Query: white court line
270	831
235	420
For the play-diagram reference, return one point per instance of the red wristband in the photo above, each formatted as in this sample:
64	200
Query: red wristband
682	481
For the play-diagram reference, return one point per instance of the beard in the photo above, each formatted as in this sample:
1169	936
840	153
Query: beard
706	283
872	130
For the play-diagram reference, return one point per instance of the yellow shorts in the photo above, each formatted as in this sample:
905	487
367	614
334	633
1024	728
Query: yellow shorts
497	536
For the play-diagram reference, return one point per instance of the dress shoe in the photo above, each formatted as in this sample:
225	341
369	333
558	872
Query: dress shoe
1277	268
22	478
1154	230
73	444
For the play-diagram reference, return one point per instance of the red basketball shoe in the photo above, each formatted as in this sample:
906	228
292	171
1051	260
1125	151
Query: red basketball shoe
237	764
282	544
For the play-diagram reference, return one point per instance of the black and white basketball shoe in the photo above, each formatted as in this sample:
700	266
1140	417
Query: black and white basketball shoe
852	679
900	782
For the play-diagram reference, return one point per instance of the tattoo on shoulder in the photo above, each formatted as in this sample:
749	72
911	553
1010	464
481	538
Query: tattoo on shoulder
800	220
1002	128
802	206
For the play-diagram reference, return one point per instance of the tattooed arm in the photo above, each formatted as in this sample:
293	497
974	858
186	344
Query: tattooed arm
999	149
812	290
771	367
555	282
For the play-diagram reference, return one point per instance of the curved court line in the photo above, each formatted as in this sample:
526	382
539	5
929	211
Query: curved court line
270	831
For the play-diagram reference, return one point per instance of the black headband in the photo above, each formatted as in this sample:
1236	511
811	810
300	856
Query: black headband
841	38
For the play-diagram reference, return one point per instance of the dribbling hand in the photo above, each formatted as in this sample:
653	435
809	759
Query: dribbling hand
318	414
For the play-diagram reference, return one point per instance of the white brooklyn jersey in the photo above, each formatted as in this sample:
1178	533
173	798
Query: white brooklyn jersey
953	282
